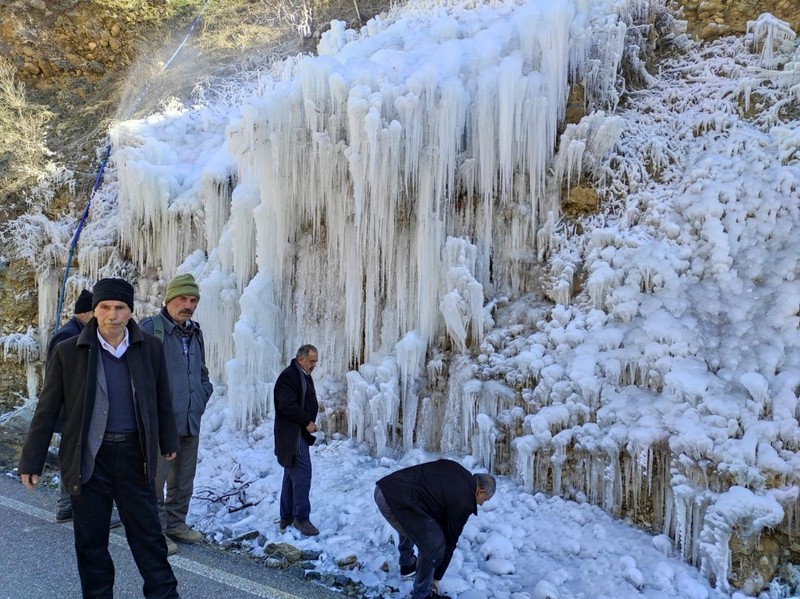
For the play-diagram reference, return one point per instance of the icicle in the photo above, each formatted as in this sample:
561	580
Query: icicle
483	446
459	410
771	32
462	306
410	358
48	284
524	449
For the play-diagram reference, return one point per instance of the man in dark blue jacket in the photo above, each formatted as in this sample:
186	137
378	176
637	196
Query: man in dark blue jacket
295	415
428	505
111	382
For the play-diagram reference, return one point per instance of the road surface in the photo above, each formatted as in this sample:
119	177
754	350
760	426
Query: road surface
37	559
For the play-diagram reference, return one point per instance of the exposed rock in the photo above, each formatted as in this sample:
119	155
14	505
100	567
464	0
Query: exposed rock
284	551
754	564
711	19
580	200
347	562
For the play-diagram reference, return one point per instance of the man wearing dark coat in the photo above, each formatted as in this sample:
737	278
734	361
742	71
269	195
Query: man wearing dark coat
295	415
428	505
112	383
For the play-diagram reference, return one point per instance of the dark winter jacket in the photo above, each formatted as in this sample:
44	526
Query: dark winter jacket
292	416
70	329
189	383
442	490
70	381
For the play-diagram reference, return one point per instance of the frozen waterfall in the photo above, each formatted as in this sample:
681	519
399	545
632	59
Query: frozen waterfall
381	189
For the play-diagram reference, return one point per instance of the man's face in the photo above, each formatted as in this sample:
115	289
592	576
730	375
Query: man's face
84	317
308	363
182	308
482	496
112	318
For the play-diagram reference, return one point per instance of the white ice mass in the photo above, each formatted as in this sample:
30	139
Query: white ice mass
397	201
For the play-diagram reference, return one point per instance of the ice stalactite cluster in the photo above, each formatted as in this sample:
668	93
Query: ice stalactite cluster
377	191
417	182
668	389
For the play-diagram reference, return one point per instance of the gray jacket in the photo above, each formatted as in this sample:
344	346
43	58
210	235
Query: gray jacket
188	382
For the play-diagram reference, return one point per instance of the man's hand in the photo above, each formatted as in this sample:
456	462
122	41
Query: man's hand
436	586
311	427
29	480
169	456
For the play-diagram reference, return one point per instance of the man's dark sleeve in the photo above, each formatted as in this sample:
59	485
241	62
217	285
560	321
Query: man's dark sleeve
51	400
204	380
453	530
460	506
60	336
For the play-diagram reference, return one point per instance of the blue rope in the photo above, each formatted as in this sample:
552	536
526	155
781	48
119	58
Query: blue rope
106	154
77	234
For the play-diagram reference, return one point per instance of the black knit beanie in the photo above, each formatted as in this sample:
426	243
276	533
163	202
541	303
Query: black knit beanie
84	302
112	289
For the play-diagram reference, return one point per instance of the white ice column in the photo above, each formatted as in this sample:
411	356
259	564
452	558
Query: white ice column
257	362
217	313
215	194
459	422
461	305
48	283
410	359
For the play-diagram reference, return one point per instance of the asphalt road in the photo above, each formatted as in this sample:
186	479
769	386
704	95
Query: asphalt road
37	559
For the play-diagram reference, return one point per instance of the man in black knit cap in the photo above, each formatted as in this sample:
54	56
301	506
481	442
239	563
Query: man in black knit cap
112	383
82	314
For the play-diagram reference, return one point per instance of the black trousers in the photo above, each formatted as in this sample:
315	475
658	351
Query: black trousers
119	476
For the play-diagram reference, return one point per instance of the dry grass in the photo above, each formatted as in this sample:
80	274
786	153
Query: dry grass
23	131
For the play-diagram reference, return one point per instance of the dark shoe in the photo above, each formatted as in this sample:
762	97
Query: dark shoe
63	516
435	595
409	569
183	534
172	547
284	524
306	528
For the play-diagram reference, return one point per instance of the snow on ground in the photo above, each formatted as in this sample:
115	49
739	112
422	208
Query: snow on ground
519	545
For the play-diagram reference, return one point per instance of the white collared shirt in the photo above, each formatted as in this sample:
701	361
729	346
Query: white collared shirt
117	352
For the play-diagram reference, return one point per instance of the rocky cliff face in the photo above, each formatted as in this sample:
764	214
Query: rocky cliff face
72	59
709	19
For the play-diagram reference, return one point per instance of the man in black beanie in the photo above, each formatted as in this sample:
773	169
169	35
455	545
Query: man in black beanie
82	313
112	383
